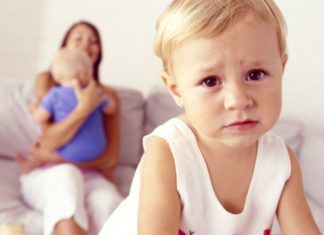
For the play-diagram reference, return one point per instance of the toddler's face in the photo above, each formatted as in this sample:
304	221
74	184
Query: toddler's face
230	85
84	77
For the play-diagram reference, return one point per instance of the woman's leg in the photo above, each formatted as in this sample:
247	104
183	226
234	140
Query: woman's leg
58	192
68	227
102	198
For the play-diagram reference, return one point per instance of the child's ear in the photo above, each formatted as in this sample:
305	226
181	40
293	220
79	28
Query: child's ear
284	61
172	88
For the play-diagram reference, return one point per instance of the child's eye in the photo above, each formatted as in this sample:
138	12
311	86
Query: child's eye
255	75
211	81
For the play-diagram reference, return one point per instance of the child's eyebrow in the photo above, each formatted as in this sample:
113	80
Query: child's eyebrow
210	67
214	66
253	63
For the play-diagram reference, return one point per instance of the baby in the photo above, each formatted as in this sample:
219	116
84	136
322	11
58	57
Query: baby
72	70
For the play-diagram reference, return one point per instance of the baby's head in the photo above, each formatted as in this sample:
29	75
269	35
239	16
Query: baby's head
70	64
184	20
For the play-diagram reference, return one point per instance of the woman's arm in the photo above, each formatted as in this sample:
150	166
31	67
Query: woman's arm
293	213
159	203
108	159
58	134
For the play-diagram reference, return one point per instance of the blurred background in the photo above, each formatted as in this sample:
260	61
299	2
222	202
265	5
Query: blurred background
31	32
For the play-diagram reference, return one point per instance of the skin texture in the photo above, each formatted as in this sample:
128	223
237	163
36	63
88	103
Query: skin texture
57	134
230	89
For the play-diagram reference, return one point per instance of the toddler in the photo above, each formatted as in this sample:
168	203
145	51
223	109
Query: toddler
216	169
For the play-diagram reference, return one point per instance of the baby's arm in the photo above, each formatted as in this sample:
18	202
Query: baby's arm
159	204
29	162
41	115
293	213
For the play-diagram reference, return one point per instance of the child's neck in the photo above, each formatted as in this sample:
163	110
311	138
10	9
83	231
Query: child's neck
222	152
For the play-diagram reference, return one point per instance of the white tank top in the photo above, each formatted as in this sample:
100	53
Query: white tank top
202	213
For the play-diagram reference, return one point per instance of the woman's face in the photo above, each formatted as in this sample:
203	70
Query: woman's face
83	37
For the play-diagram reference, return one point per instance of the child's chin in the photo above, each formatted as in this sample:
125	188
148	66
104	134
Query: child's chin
242	141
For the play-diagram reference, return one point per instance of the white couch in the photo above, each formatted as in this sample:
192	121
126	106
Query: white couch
139	115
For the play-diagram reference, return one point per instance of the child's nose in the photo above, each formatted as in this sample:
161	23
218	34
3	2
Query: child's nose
237	97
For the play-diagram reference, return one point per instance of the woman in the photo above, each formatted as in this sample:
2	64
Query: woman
62	201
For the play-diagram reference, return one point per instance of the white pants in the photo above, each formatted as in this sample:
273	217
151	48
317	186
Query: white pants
63	191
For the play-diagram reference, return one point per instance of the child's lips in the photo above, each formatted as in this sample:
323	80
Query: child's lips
242	125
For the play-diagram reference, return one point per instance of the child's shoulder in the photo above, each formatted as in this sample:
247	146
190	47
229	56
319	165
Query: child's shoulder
59	92
174	126
174	132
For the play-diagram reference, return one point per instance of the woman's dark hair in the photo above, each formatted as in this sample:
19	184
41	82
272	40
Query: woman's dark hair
96	32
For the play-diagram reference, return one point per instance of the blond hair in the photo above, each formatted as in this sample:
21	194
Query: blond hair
189	19
69	62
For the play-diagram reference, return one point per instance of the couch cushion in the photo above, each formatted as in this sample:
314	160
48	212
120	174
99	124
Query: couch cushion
9	187
291	131
132	118
159	108
17	128
12	207
312	164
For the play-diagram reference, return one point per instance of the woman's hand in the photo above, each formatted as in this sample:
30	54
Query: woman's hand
107	161
37	156
41	154
57	134
25	163
89	97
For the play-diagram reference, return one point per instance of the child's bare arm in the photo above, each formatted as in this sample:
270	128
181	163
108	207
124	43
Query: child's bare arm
158	194
41	115
293	213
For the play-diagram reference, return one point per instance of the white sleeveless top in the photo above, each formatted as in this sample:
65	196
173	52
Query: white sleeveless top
202	213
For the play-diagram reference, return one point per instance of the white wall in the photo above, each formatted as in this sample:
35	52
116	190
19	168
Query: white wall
34	29
127	29
19	32
304	77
